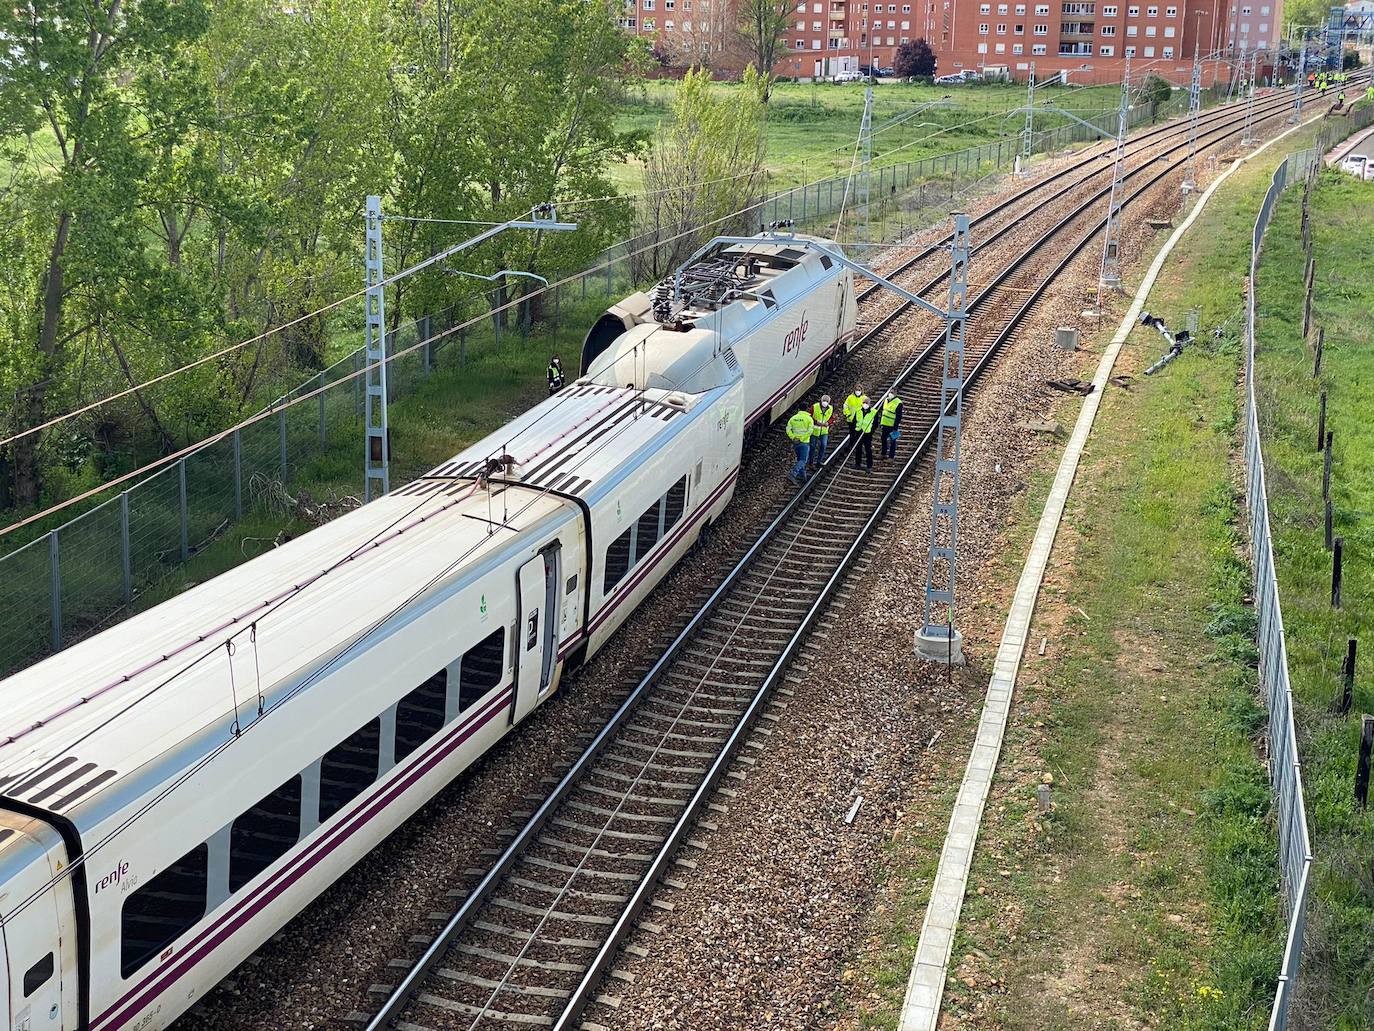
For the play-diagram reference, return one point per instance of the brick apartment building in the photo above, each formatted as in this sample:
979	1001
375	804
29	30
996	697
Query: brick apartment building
1087	39
1090	40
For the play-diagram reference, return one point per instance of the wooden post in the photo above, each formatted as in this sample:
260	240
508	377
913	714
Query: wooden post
1362	767
1326	468
1337	548
1317	358
1321	416
1326	519
1348	677
1307	298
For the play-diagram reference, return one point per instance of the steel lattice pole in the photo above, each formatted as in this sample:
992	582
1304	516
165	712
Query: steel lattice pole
376	457
1110	277
939	637
862	233
1248	136
1296	116
1194	110
1028	134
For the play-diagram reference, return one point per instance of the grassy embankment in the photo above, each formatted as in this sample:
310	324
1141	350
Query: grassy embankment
1339	965
1148	897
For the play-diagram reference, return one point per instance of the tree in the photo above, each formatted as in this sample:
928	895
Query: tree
763	29
1155	91
915	58
705	165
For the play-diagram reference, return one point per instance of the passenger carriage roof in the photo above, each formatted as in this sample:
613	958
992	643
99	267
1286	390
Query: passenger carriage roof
84	718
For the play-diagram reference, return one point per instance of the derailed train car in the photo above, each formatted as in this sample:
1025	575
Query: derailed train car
176	788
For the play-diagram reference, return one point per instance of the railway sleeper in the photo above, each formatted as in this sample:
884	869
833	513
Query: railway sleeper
477	981
597	789
527	1019
655	750
555	889
610	875
669	785
606	832
544	913
559	845
732	714
530	938
621	814
630	760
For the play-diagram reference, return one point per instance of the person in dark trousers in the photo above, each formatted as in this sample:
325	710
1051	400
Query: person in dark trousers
863	429
890	421
555	374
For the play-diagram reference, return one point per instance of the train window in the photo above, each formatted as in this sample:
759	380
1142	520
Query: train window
37	975
674	503
481	668
164	909
349	767
420	714
263	834
647	534
617	562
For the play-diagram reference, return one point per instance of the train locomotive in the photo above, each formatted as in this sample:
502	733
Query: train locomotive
176	788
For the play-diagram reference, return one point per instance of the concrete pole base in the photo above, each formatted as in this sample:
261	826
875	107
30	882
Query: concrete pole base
944	645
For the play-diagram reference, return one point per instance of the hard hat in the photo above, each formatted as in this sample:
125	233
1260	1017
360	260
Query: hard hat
825	399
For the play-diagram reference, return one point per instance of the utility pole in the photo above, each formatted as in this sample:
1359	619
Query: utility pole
1296	116
1248	136
1110	277
1028	134
940	641
862	233
1194	109
377	459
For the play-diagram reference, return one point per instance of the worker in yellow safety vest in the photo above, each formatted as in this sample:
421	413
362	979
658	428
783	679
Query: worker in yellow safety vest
799	433
853	405
822	412
890	419
863	427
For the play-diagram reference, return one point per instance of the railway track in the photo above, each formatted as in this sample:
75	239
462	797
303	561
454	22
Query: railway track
532	943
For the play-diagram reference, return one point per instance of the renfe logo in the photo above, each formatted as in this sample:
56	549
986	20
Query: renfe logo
794	340
113	877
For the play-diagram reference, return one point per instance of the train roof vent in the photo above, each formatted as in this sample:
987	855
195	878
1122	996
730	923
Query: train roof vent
56	785
792	252
731	362
825	261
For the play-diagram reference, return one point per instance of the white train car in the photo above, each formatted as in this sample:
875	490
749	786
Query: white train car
175	789
216	762
788	313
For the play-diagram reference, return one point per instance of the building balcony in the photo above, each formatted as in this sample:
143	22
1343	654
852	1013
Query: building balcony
1075	49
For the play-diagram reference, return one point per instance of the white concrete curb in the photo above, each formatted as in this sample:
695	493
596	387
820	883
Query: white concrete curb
925	988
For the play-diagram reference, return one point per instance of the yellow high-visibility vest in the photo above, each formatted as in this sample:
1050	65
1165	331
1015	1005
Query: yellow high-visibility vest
799	427
853	405
820	419
890	407
864	420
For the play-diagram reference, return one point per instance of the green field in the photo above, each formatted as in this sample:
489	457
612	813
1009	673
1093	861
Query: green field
812	127
1339	965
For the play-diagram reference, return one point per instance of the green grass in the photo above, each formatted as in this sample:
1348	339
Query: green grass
812	127
1339	965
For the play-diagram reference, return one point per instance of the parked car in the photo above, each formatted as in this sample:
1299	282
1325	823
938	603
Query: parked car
1356	165
954	79
849	76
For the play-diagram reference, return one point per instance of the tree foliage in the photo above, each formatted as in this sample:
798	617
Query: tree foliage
1155	91
704	167
914	58
180	174
763	26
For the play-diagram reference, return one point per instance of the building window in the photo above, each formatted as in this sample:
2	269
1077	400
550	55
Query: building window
1001	8
1245	28
349	768
891	41
1109	12
801	26
1037	50
1001	48
905	26
1168	51
1017	48
1130	30
982	48
1018	30
648	5
891	25
1133	12
815	26
164	909
1264	27
263	834
801	44
1001	29
815	44
668	25
1152	12
1109	30
1149	51
420	714
1171	12
1169	31
983	28
906	8
1042	30
1106	51
1130	51
648	25
1149	30
985	8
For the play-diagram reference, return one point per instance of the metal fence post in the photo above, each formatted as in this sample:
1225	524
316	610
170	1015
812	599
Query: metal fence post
127	563
54	562
185	514
238	474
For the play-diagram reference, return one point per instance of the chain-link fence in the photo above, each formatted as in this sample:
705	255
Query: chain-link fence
1285	765
93	570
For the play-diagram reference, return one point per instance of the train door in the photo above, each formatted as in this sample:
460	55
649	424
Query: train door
536	637
39	932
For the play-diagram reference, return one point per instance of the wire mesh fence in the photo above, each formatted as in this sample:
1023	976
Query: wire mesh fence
95	569
1285	765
